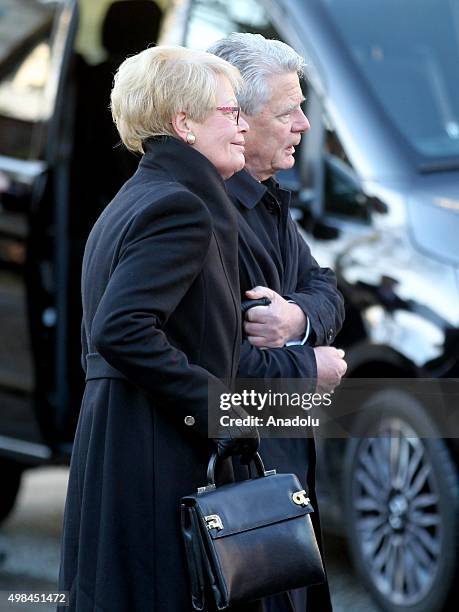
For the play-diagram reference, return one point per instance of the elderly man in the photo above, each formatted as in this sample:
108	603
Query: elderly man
290	338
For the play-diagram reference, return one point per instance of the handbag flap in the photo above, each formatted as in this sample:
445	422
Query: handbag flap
249	504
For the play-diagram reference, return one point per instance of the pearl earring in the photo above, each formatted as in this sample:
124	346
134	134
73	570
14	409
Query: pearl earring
190	138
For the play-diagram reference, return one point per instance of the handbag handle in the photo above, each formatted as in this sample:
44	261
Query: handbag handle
213	464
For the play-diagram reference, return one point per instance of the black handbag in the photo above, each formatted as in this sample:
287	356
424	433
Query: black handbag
250	539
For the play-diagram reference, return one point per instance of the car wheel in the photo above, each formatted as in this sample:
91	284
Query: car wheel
10	481
401	497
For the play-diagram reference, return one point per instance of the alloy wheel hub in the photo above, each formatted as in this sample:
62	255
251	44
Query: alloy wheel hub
397	514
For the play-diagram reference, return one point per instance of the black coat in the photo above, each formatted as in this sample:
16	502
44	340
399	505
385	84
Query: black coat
161	317
273	254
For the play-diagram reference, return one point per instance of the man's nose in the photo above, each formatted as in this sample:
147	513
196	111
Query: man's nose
301	123
243	126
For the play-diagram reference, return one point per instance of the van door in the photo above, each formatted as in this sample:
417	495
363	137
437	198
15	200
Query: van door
36	39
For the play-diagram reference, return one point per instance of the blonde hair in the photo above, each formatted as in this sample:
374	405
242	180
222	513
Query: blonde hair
154	85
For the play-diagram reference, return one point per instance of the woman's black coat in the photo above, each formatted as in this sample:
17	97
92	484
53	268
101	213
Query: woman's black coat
161	317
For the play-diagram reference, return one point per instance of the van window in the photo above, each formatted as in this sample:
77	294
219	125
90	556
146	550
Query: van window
210	20
409	54
343	195
28	76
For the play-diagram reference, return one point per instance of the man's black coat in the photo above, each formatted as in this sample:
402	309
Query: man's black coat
161	317
273	254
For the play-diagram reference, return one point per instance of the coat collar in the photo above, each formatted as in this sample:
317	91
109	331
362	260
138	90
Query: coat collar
248	191
184	164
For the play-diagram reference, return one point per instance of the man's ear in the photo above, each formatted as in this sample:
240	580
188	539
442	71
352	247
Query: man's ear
180	125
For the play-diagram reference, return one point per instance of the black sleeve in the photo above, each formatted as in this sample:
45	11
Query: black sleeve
316	294
163	252
286	362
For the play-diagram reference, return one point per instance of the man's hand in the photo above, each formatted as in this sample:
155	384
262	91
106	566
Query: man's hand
274	325
331	367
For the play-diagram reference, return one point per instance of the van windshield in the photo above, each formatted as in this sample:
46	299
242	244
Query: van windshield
409	54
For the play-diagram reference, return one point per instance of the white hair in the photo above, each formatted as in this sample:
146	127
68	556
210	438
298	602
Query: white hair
257	58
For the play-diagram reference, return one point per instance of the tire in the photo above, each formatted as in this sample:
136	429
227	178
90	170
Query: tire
401	496
10	481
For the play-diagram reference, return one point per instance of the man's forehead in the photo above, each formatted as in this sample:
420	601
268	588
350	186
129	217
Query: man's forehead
289	79
285	88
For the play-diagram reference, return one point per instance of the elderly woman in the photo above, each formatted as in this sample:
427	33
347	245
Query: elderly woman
161	320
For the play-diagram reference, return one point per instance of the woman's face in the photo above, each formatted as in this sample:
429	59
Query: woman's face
219	138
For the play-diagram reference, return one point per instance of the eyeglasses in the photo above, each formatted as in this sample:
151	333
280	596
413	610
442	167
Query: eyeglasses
232	112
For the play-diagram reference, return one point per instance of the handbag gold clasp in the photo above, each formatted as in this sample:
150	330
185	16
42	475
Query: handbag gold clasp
300	498
213	521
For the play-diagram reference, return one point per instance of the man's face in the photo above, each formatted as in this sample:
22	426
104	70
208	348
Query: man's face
276	130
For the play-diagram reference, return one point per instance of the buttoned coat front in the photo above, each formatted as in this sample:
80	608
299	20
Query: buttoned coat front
161	318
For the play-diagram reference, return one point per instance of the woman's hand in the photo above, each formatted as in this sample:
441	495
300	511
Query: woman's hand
246	447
